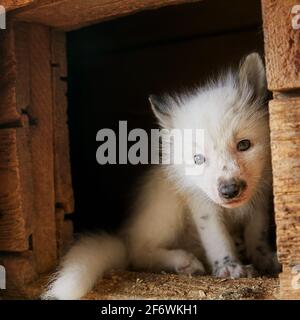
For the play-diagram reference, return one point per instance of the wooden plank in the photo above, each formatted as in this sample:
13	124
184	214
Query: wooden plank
25	174
21	37
44	241
14	4
63	180
21	33
125	285
67	14
16	190
8	113
282	45
13	235
285	144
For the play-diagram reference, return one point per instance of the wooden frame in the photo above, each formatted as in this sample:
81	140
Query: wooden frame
35	179
283	66
36	190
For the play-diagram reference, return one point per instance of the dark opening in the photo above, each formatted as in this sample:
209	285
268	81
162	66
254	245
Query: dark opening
115	65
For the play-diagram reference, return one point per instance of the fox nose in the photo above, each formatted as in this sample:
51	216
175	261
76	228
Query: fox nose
231	188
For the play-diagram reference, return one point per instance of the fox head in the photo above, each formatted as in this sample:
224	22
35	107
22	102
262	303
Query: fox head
235	152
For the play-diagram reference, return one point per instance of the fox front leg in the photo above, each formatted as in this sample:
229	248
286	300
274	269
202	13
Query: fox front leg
218	244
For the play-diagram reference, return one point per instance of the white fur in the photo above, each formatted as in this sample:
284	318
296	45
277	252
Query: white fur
180	223
84	263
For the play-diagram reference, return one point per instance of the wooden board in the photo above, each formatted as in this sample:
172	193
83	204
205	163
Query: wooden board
21	37
21	43
73	14
15	188
62	165
27	176
44	241
13	233
14	4
9	116
15	194
285	144
282	45
122	285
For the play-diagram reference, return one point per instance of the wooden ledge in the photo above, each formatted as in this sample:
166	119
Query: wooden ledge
134	285
73	14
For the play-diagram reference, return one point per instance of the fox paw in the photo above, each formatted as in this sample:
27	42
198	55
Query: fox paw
229	268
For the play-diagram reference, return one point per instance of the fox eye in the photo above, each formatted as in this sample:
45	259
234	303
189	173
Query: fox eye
199	159
243	145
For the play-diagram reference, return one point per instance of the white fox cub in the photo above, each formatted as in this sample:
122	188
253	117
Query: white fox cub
216	222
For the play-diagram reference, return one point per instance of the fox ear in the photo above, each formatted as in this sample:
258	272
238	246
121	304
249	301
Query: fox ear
252	72
161	107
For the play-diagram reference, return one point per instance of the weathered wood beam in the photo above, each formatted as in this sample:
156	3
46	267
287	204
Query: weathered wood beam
73	14
282	43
